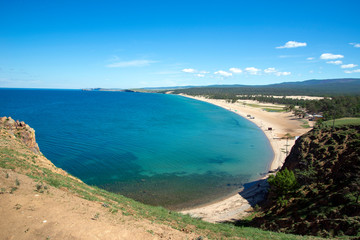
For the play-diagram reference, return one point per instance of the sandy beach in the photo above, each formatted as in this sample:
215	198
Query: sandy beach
282	124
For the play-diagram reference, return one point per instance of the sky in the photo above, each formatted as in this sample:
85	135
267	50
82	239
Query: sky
134	44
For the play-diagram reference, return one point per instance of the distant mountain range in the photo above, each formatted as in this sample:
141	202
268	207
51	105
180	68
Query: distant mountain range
341	86
344	82
326	83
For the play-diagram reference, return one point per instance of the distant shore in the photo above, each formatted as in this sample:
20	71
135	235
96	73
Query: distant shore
277	126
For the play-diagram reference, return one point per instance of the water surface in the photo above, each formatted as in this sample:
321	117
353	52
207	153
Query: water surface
159	149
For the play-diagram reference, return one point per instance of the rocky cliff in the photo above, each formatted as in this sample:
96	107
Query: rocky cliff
20	130
17	139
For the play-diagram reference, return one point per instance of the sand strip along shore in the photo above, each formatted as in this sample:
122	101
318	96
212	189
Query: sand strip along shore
281	124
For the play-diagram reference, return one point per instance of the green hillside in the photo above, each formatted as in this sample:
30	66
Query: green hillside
319	195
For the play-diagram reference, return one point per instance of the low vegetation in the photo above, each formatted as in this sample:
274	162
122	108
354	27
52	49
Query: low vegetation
317	190
342	121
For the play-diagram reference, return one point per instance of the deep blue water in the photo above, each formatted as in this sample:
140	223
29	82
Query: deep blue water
159	149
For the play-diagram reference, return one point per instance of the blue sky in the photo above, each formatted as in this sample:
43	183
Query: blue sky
118	44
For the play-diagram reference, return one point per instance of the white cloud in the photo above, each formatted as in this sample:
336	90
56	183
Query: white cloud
203	72
133	63
349	65
200	75
282	74
293	44
328	56
276	72
235	70
357	45
270	70
189	70
352	71
223	73
337	62
252	70
310	58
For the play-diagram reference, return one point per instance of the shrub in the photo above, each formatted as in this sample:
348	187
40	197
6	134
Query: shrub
283	185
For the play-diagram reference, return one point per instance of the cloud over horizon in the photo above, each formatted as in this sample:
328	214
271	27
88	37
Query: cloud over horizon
352	71
252	70
293	44
357	45
337	62
189	70
272	70
348	65
223	73
235	70
330	56
282	74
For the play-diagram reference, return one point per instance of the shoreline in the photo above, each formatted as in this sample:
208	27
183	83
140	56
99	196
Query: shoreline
281	124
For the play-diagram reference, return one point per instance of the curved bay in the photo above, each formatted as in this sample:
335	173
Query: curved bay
159	149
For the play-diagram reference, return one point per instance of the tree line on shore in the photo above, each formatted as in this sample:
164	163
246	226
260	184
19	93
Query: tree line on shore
330	107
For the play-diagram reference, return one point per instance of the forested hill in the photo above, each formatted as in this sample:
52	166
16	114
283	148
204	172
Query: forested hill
318	189
326	87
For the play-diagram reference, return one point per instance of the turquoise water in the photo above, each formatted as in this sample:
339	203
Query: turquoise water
159	149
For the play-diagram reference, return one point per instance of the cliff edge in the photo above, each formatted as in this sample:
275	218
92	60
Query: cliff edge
20	130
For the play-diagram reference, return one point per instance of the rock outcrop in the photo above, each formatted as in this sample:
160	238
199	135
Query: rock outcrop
22	131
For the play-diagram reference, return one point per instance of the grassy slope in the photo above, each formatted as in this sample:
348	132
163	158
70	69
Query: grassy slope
14	155
343	121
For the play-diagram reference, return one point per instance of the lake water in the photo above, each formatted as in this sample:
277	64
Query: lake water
158	149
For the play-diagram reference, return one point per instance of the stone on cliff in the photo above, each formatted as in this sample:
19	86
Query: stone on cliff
22	131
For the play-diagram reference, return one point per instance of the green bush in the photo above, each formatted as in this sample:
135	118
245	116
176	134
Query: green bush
283	185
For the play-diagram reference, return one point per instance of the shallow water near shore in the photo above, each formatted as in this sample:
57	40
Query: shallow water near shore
159	149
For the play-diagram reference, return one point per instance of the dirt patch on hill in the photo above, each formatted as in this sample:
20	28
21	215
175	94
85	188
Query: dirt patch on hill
30	210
